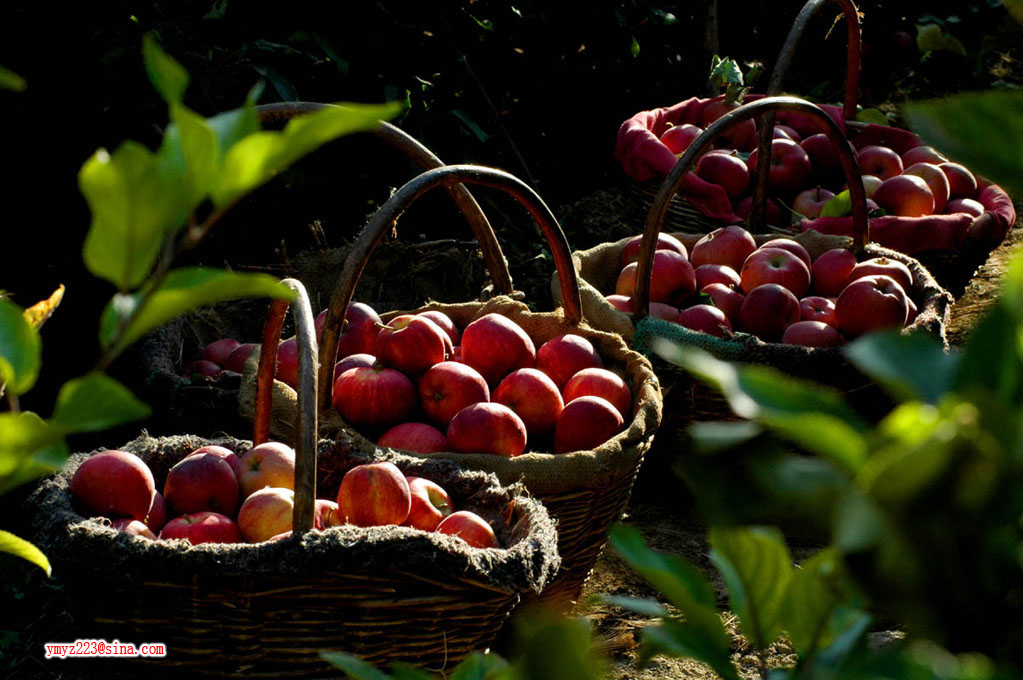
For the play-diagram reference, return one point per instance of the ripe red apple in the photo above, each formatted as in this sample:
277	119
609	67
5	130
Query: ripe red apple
707	274
630	251
225	454
936	179
725	170
744	207
445	323
879	161
600	382
816	308
218	351
657	309
495	346
729	246
768	310
354	361
830	272
287	362
785	132
410	344
870	304
911	316
922	154
373	397
672	279
448	387
374	494
269	464
325	515
469	527
809	203
705	318
728	300
157	514
812	334
586	423
487	428
740	136
965	205
202	481
133	527
236	361
534	397
359	330
564	356
418	437
790	167
114	484
207	369
883	265
823	157
794	247
678	137
430	504
906	196
202	527
871	183
775	265
266	513
961	182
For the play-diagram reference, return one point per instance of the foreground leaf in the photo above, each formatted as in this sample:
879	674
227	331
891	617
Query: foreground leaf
22	435
37	314
913	366
96	402
838	206
685	639
20	349
353	666
19	547
930	38
9	80
555	648
479	666
168	76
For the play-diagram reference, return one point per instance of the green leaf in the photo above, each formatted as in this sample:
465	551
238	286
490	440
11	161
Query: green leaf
192	147
993	357
168	76
873	116
639	605
353	666
713	436
479	666
233	126
19	547
810	602
682	584
22	435
476	130
1015	8
757	568
136	198
634	47
913	366
405	671
688	640
822	434
551	648
256	158
9	80
838	206
981	130
96	402
44	460
182	291
930	38
726	72
20	349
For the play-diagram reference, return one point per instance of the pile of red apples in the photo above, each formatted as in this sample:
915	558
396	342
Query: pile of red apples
775	291
215	496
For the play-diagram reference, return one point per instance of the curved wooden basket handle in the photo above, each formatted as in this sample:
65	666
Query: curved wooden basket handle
305	450
393	208
755	108
278	114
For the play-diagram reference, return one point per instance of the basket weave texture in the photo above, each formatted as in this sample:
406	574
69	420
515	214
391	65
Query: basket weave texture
268	609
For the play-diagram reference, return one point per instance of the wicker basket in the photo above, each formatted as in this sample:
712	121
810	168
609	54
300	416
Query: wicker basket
267	610
585	491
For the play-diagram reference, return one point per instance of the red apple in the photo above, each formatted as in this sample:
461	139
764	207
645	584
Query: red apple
785	132
672	279
225	454
922	154
157	514
790	167
448	387
870	304
495	346
823	157
266	513
236	361
430	504
906	196
740	136
657	309
744	207
417	437
359	330
374	494
287	362
410	344
812	334
794	247
965	205
533	396
354	361
133	527
816	308
218	351
678	137
325	515
445	323
114	484
728	300
871	183
707	319
879	161
809	203
207	369
882	265
729	246
725	170
564	356
707	274
830	272
768	310
373	397
600	382
202	527
936	179
774	265
202	481
911	316
630	251
586	423
961	182
487	428
269	464
469	527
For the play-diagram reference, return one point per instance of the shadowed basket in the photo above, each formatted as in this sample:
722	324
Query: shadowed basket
585	491
267	610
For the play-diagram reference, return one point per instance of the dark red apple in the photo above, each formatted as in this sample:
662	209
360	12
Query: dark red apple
888	267
487	428
448	387
202	527
705	318
657	309
729	246
114	484
445	323
790	167
961	182
816	308
495	346
564	356
202	481
727	299
965	205
812	334
417	437
354	361
157	514
725	170
830	272
287	362
359	330
469	527
768	310
586	423
206	369
740	136
905	196
936	179
707	274
534	397
871	304
630	251
744	207
430	504
810	202
374	494
678	137
373	397
600	382
672	279
794	247
411	344
775	265
219	350
823	158
879	161
922	154
223	453
236	361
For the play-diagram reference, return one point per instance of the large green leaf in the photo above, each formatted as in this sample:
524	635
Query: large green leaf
232	126
136	198
43	460
405	671
9	80
838	206
258	157
757	568
552	648
639	605
993	357
20	349
682	584
353	666
21	436
980	130
913	366
191	145
687	639
479	666
168	76
95	402
11	544
182	291
930	38
810	603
